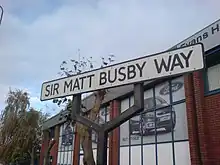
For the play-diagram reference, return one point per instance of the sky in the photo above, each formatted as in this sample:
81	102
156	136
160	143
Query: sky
36	36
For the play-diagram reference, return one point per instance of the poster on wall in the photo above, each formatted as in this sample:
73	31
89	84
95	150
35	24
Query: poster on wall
66	137
66	144
158	124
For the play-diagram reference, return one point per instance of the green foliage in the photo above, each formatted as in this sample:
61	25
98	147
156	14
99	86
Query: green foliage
20	131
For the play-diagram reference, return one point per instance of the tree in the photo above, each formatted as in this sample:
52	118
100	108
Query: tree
68	68
20	132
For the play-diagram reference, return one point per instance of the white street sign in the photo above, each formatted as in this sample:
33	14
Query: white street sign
169	63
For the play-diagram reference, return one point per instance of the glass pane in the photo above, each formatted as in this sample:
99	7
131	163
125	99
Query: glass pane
164	124
182	153
149	155
136	155
180	126
58	157
162	94
134	126
61	157
61	129
60	146
108	109
148	93
124	156
165	154
95	154
147	127
81	160
131	101
124	133
67	156
94	139
107	156
64	157
213	77
178	91
67	135
102	116
135	130
124	128
124	104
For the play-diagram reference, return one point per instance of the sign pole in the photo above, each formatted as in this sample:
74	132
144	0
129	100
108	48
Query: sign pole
111	125
102	147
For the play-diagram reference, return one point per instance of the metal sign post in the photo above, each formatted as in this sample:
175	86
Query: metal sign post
165	64
105	128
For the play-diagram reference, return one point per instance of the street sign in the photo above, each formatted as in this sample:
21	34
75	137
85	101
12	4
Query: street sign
150	67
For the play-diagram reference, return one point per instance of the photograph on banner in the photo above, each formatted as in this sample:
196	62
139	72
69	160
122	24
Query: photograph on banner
162	95
164	117
181	128
66	139
178	90
124	128
136	123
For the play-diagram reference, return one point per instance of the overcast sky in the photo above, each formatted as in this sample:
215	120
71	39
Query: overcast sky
36	36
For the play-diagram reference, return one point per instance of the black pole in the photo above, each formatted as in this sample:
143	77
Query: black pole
102	148
111	125
2	11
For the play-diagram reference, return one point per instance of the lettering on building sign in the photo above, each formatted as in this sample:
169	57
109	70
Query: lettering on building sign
146	68
212	31
209	36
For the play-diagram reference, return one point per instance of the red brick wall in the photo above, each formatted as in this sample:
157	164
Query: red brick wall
212	106
203	115
44	146
42	152
54	152
113	140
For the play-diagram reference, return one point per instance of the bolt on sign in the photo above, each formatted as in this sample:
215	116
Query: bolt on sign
169	63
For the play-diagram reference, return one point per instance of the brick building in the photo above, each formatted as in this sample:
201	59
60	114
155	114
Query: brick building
180	124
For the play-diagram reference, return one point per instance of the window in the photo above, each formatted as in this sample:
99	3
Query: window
66	144
212	73
213	76
153	136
